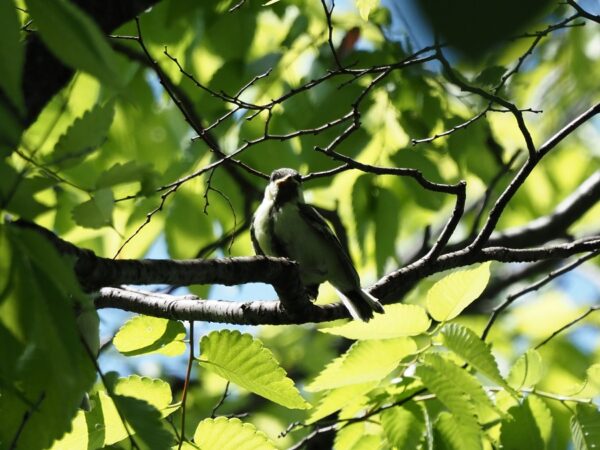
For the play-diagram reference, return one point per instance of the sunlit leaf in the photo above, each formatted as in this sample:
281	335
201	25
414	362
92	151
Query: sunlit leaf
145	335
244	361
363	362
336	399
230	434
458	432
155	392
527	370
469	386
404	426
466	344
521	429
447	298
399	320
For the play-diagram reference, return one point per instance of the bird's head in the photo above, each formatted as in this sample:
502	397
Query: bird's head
284	186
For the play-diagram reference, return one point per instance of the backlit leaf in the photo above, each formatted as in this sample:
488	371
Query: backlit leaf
448	297
230	434
244	361
363	362
399	320
145	335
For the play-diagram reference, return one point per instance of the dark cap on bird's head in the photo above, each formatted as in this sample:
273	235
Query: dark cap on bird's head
285	172
284	186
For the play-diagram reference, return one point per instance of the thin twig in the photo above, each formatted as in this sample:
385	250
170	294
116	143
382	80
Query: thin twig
186	383
534	287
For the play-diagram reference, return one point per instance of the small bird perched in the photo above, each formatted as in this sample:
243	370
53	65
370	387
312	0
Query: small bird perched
284	225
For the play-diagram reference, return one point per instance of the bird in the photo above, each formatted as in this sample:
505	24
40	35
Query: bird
285	225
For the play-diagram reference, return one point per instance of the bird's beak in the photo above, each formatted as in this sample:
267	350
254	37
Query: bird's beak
285	180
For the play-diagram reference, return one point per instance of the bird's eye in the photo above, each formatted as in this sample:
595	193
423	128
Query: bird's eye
298	178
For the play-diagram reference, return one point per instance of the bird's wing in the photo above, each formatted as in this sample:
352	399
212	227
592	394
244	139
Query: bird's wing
318	222
255	243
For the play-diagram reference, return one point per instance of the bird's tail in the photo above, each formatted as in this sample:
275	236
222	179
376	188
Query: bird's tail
361	304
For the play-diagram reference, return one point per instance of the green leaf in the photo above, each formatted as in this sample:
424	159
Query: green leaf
123	173
364	361
45	368
17	192
521	430
84	136
399	320
448	297
527	370
458	433
585	427
365	7
146	335
75	39
96	212
76	438
404	426
387	227
11	50
155	392
337	399
469	386
466	344
362	206
244	361
230	434
593	376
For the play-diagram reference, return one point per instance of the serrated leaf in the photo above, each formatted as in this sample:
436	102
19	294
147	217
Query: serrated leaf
365	7
458	433
363	362
404	426
466	344
527	370
448	297
469	386
146	335
585	427
85	135
447	391
75	39
11	50
230	434
244	361
399	320
520	430
337	399
96	212
153	391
